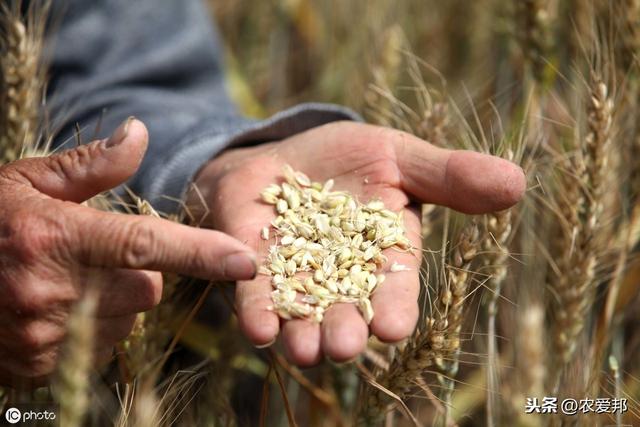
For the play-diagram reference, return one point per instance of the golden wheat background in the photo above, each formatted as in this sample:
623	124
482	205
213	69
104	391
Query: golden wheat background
540	300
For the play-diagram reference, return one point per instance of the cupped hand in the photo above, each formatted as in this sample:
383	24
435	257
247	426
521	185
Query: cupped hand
370	162
52	248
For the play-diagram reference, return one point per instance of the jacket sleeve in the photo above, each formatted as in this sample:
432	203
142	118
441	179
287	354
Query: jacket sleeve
161	62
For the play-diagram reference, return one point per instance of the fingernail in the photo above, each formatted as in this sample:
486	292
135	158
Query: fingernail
269	344
119	134
342	363
240	266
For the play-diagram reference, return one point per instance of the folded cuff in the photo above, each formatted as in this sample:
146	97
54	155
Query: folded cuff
172	175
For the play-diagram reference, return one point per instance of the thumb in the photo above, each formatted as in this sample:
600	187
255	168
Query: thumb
80	173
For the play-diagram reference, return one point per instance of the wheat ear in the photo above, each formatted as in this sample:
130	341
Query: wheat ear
23	78
434	124
385	73
532	21
575	285
451	309
438	343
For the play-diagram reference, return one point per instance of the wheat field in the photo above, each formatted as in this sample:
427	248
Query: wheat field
539	301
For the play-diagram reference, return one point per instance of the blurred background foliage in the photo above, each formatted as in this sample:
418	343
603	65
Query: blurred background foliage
282	52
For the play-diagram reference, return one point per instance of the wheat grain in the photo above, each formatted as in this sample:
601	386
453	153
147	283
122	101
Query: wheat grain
333	238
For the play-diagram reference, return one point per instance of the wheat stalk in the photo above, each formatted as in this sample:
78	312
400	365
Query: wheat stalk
22	78
531	360
498	228
73	375
145	410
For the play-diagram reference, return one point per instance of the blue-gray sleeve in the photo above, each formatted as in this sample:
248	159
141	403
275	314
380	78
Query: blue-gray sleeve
161	62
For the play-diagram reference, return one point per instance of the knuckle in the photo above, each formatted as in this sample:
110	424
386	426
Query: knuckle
24	302
375	142
139	244
27	299
31	236
39	364
30	338
200	261
376	150
385	155
69	164
393	139
32	298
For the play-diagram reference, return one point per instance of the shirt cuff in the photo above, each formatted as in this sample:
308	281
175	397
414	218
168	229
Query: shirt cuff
171	176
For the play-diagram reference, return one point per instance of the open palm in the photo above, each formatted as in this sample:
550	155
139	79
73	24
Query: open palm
372	163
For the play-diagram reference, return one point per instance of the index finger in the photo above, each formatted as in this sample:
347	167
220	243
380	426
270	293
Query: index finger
103	239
